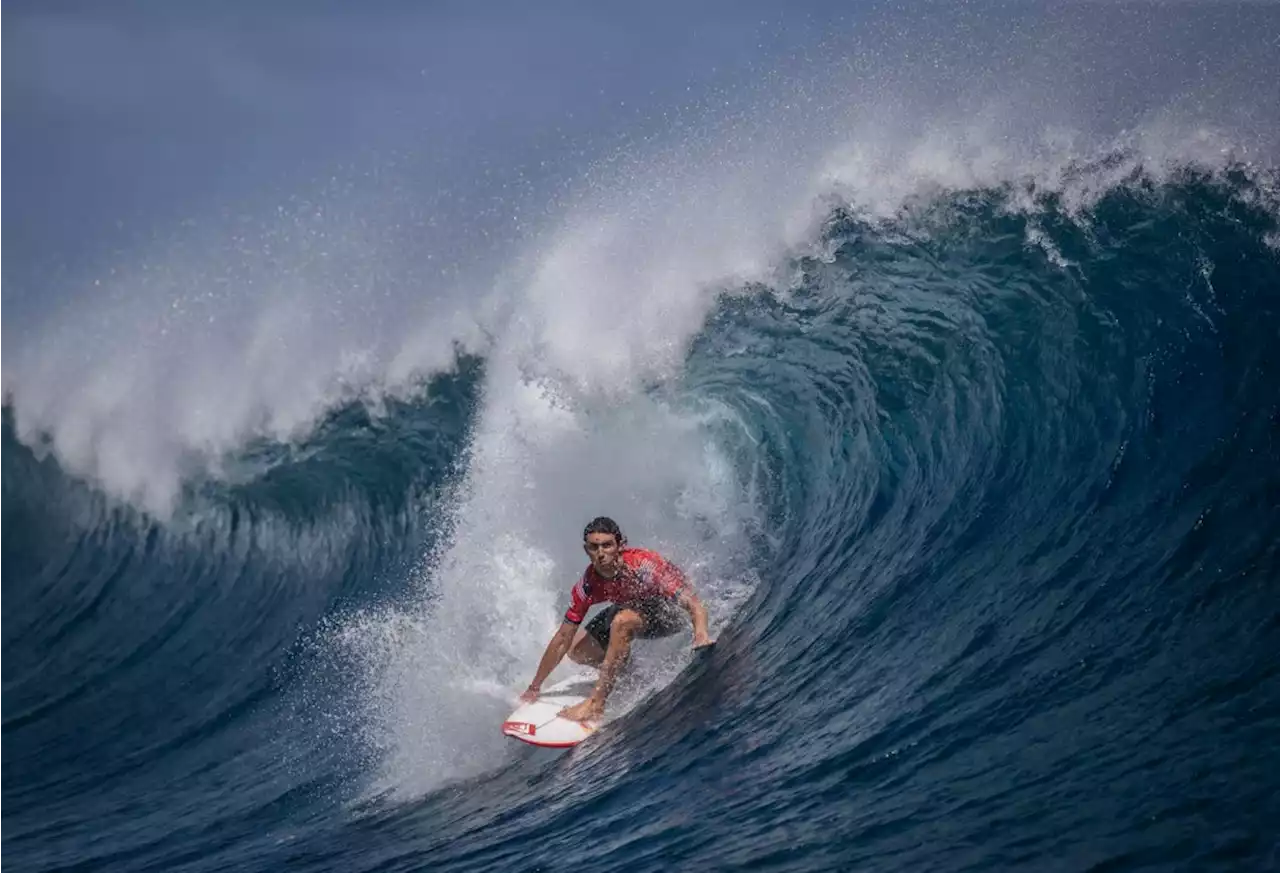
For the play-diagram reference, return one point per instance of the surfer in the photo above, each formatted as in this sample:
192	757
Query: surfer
647	593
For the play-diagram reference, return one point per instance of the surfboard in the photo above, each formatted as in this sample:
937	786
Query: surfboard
539	723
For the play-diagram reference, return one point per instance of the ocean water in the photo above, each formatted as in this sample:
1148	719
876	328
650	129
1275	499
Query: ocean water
974	456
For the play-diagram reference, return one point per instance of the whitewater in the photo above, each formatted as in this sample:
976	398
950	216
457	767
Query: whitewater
958	403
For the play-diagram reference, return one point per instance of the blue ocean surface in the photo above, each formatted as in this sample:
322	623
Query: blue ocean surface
978	472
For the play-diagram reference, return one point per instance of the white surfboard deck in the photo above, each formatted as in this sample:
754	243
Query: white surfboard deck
539	723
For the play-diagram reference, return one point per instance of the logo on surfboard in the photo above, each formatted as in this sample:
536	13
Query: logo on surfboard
519	727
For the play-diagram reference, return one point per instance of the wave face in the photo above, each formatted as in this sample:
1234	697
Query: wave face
985	494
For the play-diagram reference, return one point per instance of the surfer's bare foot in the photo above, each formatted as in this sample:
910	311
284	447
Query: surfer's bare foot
587	710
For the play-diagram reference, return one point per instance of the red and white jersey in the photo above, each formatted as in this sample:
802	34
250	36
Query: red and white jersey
643	575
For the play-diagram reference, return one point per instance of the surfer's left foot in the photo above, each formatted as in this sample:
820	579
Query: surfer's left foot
585	711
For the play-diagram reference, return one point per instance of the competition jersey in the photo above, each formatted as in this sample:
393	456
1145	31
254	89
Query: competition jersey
642	576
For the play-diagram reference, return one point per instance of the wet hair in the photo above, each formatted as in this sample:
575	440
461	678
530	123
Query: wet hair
605	525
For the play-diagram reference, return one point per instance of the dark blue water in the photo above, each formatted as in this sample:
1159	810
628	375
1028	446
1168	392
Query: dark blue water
988	506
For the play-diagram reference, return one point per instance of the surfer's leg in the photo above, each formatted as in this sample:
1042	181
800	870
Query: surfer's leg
625	625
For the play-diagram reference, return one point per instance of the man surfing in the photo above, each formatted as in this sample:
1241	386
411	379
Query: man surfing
647	592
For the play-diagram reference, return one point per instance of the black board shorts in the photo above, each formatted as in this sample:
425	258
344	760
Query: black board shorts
662	618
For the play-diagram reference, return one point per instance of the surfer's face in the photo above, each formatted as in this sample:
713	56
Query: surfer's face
602	549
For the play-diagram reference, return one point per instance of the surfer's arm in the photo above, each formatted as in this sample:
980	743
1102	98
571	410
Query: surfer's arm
698	613
553	655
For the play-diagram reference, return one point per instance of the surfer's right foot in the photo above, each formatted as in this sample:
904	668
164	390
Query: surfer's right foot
585	711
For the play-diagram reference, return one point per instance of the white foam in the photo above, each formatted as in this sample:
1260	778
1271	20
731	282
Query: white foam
136	399
543	462
170	363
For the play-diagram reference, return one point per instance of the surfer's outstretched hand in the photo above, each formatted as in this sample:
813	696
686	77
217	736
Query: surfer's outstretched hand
529	696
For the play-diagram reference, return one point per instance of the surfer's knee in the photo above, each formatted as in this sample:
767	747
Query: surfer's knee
627	621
